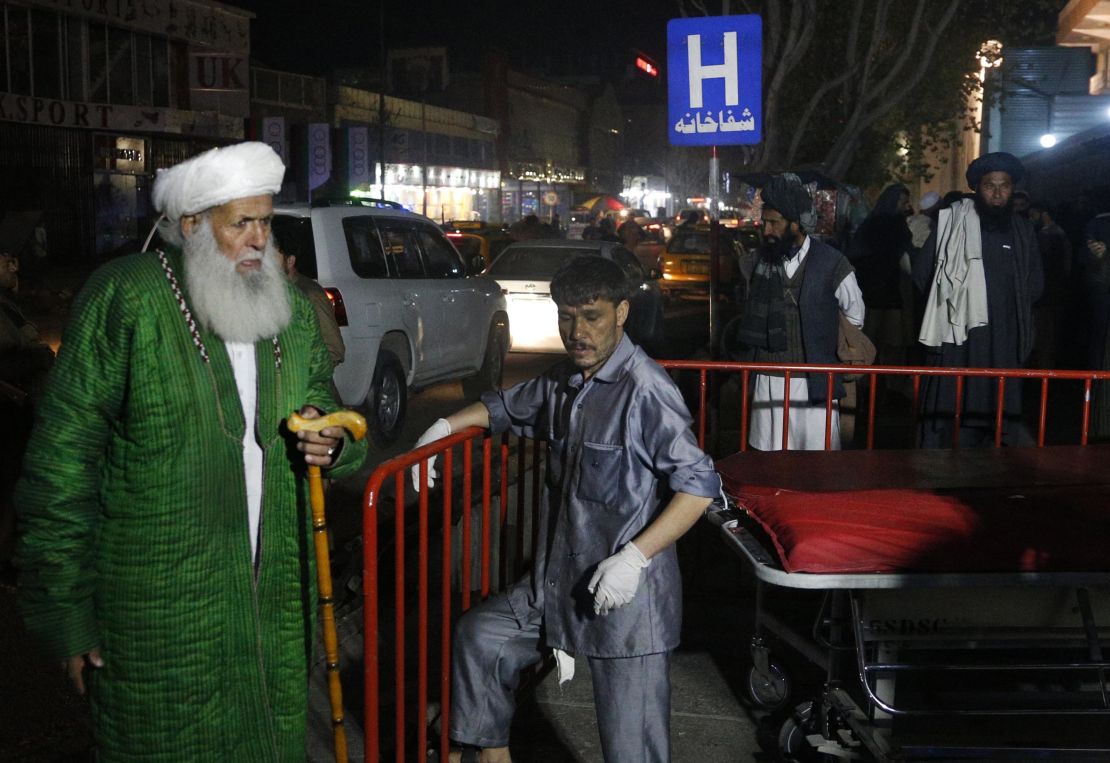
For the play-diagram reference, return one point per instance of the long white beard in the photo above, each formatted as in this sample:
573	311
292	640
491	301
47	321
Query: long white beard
238	307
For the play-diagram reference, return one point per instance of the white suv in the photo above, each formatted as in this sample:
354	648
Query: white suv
409	313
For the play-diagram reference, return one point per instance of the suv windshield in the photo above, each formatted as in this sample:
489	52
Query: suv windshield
533	262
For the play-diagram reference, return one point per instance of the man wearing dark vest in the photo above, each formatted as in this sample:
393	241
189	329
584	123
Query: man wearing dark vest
799	286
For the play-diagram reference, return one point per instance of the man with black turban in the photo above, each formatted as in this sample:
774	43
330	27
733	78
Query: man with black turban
799	287
981	272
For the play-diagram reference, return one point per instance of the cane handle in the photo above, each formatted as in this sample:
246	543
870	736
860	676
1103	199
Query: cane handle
353	422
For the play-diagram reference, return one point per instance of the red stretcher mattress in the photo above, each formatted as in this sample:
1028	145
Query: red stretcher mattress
982	510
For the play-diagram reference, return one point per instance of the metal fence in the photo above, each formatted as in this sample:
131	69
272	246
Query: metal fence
475	532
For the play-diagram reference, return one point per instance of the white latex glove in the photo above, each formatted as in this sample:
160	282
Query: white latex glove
616	579
437	431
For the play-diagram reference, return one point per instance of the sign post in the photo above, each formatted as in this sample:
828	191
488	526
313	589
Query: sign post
714	98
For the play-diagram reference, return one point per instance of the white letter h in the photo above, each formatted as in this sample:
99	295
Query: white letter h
699	73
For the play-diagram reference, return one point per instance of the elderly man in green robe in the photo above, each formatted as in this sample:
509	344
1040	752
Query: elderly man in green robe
165	531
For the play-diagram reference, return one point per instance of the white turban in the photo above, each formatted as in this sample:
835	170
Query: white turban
217	177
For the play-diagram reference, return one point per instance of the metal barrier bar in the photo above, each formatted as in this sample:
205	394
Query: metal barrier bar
445	611
487	456
957	407
466	583
1086	410
702	383
744	408
786	411
999	411
399	608
1043	413
828	411
872	391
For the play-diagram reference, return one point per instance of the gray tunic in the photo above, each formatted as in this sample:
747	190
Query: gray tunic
618	447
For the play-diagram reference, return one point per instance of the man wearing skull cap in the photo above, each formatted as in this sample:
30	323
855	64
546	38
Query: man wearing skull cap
164	536
799	288
981	272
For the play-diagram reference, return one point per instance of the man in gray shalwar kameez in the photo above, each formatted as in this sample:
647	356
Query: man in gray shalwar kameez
625	479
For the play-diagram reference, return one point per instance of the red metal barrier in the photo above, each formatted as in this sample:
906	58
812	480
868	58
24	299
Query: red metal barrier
788	370
406	729
410	715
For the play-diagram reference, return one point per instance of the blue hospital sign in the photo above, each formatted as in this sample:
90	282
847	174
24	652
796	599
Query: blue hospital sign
714	80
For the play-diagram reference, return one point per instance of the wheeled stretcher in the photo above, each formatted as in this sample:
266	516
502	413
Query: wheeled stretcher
962	598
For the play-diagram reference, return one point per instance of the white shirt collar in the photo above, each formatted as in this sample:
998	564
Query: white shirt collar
801	253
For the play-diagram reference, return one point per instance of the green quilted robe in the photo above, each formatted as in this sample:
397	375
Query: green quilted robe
134	526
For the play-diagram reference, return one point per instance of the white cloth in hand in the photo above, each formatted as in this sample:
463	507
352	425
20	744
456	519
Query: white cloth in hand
564	665
436	431
615	582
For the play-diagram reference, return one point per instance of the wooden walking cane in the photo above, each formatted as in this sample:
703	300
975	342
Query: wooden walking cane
356	426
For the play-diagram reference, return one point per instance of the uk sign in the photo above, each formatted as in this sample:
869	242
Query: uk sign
714	80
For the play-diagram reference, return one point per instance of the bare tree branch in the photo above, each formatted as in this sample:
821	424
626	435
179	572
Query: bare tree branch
923	64
802	124
839	156
878	28
798	38
772	34
853	45
896	69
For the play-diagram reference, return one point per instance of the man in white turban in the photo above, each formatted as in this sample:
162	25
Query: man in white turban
164	548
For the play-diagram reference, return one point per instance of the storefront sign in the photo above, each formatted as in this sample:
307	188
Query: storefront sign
199	23
50	112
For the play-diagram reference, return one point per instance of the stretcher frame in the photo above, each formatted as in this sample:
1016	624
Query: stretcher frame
851	715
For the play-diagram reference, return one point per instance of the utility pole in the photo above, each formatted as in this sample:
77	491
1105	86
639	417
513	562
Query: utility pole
714	249
381	101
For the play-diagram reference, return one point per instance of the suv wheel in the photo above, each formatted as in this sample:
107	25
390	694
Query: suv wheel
493	364
387	400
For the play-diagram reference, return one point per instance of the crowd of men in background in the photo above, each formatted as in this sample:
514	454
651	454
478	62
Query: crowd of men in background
1041	267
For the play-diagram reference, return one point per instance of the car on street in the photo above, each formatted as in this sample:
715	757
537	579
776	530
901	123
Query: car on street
410	310
478	242
525	269
684	263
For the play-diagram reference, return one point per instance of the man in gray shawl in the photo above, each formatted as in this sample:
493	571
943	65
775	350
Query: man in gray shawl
981	273
799	287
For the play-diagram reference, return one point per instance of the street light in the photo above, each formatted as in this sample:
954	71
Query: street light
1048	140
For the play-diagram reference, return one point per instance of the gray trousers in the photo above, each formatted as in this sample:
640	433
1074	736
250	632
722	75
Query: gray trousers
632	695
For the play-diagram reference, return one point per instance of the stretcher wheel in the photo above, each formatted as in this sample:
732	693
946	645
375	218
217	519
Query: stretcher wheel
771	690
793	744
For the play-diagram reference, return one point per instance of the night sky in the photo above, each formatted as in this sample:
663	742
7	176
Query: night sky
556	36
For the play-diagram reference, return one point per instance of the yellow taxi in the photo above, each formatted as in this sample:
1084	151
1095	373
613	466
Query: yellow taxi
684	263
478	242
